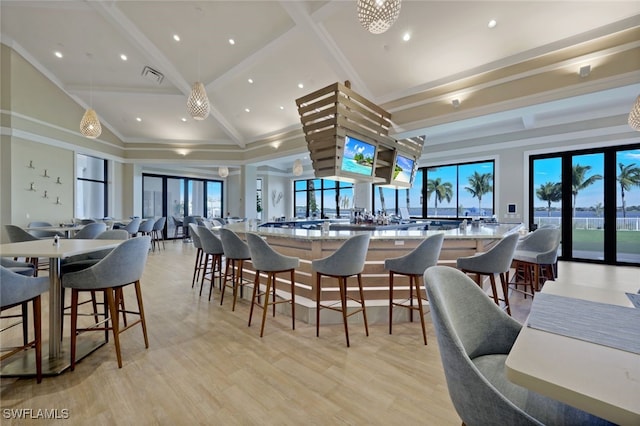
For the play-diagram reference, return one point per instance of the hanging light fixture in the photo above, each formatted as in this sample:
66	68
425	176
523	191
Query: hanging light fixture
634	115
223	171
297	167
377	16
198	102
90	124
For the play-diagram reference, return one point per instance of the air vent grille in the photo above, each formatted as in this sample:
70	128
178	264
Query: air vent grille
152	75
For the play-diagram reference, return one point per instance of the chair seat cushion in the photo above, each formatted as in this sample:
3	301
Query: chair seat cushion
546	410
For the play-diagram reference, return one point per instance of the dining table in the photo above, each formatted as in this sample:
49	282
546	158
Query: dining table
58	359
581	345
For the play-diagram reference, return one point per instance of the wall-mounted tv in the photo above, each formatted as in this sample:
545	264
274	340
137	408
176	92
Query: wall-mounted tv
359	157
403	169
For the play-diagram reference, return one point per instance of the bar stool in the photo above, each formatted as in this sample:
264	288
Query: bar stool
495	261
413	265
197	243
211	246
535	257
236	252
346	261
16	290
266	259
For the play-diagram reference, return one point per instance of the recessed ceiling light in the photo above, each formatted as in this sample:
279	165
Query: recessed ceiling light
58	54
183	119
176	37
123	57
138	119
406	37
232	41
492	23
300	86
250	81
247	110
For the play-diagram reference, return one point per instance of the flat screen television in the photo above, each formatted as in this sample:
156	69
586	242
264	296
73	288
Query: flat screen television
359	157
403	169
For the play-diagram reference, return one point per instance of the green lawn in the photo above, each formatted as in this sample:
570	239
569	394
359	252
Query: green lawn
592	240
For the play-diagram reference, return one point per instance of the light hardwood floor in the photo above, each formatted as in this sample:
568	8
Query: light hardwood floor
205	366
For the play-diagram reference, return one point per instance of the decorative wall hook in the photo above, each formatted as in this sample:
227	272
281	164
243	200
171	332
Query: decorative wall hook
31	164
45	195
58	181
45	174
31	187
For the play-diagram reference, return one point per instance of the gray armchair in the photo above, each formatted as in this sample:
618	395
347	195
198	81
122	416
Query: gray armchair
475	337
122	267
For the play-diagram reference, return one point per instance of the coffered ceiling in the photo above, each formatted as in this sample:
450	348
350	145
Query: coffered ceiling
278	45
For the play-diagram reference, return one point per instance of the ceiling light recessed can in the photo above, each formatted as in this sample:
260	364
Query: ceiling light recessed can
58	54
492	23
176	37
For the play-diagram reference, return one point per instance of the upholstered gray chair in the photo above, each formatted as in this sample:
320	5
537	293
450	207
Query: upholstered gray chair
236	252
122	267
18	235
497	260
213	251
90	231
16	290
346	261
28	270
535	257
413	265
266	260
157	235
475	337
197	243
133	226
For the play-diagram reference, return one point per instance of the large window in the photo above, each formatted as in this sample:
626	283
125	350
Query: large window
390	200
459	190
322	198
594	197
176	197
91	187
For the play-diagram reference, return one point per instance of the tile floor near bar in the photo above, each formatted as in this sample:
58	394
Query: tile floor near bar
205	366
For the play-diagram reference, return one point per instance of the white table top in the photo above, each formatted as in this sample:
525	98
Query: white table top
595	378
46	248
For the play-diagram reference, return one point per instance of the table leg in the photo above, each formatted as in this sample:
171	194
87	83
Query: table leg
55	307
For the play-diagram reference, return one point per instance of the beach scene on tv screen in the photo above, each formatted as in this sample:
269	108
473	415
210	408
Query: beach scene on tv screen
403	169
358	156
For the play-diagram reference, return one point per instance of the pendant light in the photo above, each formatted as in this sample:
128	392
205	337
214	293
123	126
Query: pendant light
90	124
198	102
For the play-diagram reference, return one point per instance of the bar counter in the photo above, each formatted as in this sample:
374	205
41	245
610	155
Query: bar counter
309	244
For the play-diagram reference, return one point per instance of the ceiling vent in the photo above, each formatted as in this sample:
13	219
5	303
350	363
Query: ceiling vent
152	75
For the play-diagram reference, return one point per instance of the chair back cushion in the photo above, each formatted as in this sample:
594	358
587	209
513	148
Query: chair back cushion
347	260
16	288
124	265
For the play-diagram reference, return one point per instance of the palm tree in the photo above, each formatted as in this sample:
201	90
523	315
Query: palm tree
480	184
629	176
579	181
443	191
550	192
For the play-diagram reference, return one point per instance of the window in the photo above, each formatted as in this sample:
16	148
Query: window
594	196
91	187
322	198
390	200
459	190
